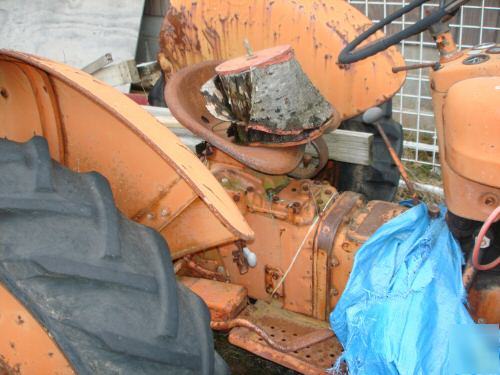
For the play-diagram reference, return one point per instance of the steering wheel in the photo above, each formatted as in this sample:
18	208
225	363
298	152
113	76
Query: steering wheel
350	54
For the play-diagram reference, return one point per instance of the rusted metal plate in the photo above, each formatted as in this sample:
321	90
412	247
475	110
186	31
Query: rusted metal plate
225	301
92	127
375	214
355	229
338	214
195	31
284	326
325	257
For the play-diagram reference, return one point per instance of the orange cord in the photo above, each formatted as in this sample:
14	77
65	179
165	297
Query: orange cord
477	246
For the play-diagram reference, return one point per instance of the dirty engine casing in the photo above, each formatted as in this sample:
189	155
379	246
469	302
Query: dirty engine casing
304	219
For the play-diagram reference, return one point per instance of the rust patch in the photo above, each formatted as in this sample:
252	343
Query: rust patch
377	213
324	253
5	369
286	327
272	277
179	37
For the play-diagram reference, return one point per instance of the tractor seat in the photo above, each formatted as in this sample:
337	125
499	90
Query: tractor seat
187	105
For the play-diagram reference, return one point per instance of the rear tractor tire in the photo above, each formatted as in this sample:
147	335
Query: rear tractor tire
101	285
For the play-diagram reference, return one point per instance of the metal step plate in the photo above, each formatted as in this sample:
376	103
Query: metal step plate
285	326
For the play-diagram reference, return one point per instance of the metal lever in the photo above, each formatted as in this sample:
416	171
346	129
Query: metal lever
372	117
433	65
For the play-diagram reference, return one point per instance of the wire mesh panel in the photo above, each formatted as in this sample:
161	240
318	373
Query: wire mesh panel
477	22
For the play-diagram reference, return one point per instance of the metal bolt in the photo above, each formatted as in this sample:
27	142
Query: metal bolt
328	192
150	216
164	212
485	243
306	160
220	270
269	289
490	200
224	180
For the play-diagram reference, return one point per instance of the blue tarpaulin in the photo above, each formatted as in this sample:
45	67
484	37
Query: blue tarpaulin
404	300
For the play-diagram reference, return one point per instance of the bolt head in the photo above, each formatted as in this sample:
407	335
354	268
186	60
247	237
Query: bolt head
490	200
485	243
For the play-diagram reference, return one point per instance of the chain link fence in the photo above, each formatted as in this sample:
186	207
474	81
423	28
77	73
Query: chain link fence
477	22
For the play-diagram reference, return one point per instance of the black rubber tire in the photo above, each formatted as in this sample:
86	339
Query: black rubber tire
379	180
102	285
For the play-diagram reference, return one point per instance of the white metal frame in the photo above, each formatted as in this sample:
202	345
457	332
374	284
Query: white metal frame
412	103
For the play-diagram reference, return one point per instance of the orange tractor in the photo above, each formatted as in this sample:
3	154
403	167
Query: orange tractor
87	280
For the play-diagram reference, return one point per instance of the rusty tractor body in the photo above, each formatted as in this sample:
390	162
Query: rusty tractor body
194	32
239	228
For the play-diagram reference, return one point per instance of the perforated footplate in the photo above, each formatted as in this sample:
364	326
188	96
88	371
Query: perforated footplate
285	326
